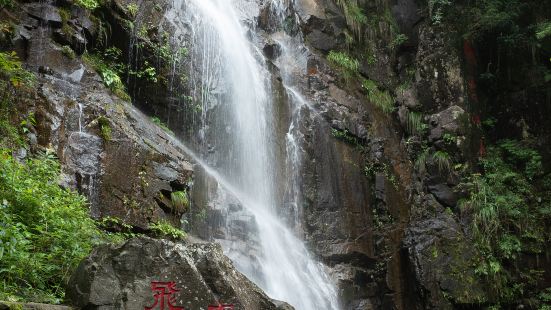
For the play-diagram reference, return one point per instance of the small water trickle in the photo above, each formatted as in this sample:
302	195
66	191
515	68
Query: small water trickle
80	117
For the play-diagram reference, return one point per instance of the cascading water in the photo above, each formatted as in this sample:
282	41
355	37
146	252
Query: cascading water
236	137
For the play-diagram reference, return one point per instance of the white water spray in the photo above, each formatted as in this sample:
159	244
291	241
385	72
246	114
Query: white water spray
233	87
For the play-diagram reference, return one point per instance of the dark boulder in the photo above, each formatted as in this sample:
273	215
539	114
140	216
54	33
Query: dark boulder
121	277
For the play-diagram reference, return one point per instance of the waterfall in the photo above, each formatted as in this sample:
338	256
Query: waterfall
235	143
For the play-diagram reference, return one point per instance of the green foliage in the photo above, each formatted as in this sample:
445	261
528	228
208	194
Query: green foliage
109	68
345	136
12	70
398	40
346	63
6	4
68	51
180	200
159	123
44	230
105	128
14	81
415	124
449	138
163	229
442	160
437	9
523	157
381	99
354	15
132	9
543	30
421	161
88	4
507	218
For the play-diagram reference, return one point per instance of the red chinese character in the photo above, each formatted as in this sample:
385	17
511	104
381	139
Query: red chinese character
162	290
221	307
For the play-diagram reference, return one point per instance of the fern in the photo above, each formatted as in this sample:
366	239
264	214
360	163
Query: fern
415	124
442	160
421	161
179	200
382	99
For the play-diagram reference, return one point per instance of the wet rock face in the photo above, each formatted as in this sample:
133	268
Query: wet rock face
125	165
440	261
121	277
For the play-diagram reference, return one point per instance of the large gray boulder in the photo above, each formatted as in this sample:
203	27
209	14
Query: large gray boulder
122	276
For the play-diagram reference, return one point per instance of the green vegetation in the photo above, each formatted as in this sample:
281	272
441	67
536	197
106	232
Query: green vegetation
68	51
442	160
381	99
415	124
345	136
511	207
109	68
398	40
6	4
44	230
88	4
180	200
14	80
105	128
348	65
12	70
421	161
132	9
157	121
354	15
163	229
437	8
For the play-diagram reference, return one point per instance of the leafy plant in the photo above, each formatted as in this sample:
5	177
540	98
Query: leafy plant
163	229
381	99
398	40
68	51
180	200
421	161
44	230
88	4
109	69
12	69
105	128
343	61
345	136
442	160
415	124
6	4
449	139
437	9
132	9
543	30
159	123
506	217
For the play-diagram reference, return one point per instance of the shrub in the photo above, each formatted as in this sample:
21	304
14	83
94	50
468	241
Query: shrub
88	4
343	61
109	70
415	124
442	160
159	123
44	230
12	70
163	229
179	200
68	51
381	99
507	218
